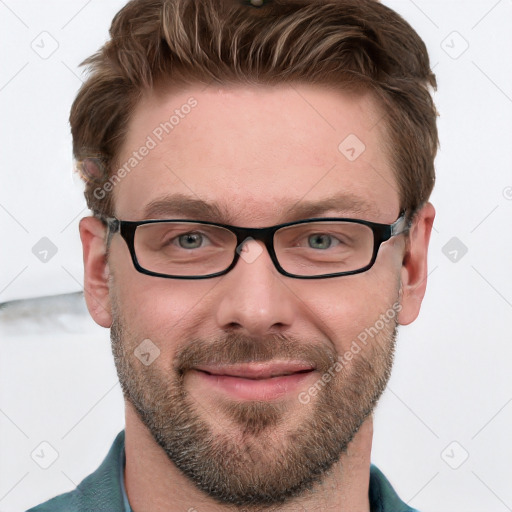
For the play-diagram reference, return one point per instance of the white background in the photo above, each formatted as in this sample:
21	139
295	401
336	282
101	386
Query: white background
451	391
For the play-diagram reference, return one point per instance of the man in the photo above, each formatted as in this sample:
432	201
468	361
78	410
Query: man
259	174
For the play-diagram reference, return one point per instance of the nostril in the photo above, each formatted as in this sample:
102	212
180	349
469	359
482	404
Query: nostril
233	326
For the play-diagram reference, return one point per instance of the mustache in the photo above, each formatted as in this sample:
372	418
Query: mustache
239	349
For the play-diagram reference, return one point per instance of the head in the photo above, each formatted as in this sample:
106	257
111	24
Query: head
256	116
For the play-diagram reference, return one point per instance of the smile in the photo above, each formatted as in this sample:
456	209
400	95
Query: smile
254	381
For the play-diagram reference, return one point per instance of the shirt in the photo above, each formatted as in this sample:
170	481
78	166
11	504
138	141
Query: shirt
104	491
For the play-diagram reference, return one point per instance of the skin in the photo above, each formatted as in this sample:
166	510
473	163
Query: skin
255	151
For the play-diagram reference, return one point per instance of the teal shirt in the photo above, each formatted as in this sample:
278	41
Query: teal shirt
103	490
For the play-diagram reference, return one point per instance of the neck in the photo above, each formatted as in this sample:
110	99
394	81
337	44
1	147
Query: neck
154	483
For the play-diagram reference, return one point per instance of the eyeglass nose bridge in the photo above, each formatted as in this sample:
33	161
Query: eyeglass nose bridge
245	235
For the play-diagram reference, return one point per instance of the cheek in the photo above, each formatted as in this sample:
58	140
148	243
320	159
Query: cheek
166	311
344	309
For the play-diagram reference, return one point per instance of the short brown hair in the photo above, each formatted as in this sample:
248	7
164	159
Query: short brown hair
343	43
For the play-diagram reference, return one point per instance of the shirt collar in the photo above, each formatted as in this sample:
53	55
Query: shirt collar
122	464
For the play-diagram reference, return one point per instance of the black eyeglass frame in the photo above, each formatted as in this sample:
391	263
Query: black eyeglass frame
381	234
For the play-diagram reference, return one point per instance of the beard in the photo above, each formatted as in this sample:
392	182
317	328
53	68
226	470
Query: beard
272	451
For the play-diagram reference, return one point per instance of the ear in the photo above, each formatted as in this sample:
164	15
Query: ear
414	265
96	272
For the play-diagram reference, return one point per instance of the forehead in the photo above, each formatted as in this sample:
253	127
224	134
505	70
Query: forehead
256	152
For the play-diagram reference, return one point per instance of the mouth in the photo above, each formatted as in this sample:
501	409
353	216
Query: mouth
254	381
257	371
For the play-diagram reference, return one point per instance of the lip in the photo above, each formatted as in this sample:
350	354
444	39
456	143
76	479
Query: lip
254	381
257	370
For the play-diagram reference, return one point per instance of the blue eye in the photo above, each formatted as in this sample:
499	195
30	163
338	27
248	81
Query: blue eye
190	240
320	241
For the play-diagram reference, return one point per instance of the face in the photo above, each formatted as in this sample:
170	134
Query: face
254	394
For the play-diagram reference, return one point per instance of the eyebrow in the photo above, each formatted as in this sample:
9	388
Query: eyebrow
184	206
339	204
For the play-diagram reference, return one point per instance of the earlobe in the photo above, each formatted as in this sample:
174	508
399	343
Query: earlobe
414	266
96	272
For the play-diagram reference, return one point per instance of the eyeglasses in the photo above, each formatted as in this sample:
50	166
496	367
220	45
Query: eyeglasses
306	249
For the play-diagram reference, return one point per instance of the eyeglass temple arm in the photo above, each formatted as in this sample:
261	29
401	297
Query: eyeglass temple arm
112	223
401	225
113	226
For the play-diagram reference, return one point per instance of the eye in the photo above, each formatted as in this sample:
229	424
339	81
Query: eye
190	240
321	241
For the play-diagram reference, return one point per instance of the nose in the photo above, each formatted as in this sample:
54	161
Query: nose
254	298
